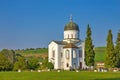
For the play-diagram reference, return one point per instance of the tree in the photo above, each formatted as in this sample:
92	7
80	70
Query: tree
110	61
9	54
5	64
50	65
45	63
33	63
89	52
20	64
117	49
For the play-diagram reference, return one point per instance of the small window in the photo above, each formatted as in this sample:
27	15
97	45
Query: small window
67	65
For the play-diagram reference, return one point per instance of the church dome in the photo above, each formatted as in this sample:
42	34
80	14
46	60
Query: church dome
71	26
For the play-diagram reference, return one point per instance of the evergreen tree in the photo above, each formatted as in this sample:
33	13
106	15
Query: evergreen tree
89	52
117	49
110	61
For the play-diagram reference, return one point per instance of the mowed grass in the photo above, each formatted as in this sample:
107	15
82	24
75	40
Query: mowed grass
59	76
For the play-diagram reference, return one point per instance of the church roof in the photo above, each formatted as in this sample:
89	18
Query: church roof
70	45
60	42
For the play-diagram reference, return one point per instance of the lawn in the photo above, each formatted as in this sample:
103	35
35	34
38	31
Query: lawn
59	76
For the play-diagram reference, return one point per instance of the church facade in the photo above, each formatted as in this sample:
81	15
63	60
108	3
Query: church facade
69	53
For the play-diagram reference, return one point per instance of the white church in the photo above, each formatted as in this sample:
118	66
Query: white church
69	53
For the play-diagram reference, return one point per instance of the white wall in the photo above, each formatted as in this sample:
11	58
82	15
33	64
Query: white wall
53	46
60	50
57	59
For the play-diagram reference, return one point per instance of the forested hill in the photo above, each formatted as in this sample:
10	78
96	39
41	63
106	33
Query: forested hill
43	52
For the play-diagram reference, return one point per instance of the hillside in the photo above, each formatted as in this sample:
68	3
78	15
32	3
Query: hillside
100	54
43	52
38	52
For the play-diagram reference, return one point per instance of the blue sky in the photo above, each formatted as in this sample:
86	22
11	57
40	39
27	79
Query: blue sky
34	23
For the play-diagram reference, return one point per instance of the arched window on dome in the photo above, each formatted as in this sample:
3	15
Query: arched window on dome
68	35
71	35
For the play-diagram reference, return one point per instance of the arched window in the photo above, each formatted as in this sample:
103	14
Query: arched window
67	54
74	53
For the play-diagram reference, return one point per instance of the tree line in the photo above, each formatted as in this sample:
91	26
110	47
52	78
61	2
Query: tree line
112	50
10	61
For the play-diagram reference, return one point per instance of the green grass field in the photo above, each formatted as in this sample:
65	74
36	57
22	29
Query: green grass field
59	76
99	54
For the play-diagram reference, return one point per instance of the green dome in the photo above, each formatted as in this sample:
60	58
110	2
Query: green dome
71	26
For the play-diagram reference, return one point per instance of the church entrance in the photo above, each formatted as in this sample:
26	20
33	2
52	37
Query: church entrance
74	66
